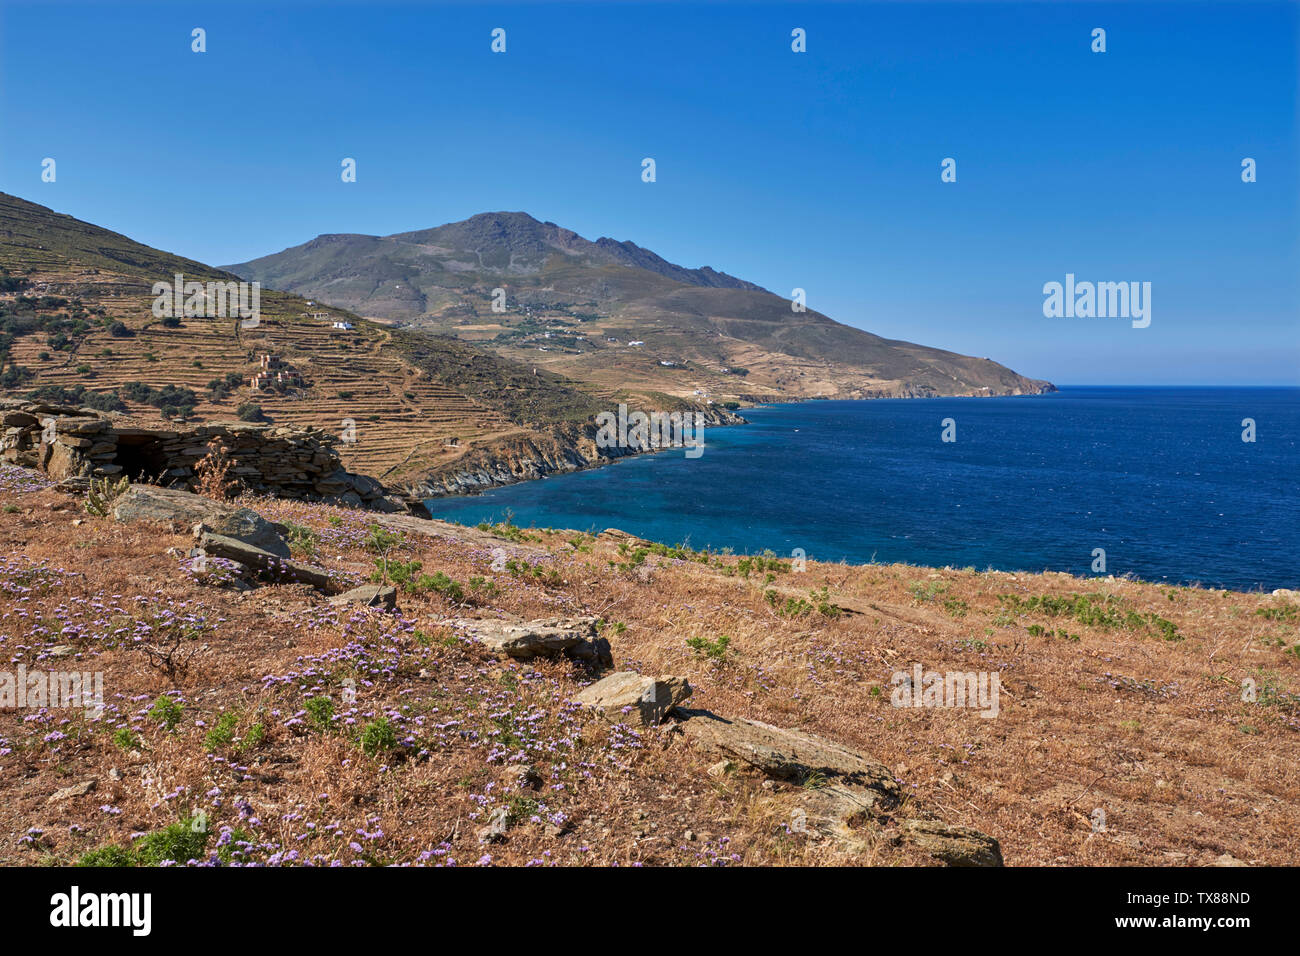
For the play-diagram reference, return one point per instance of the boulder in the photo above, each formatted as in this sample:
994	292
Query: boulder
335	483
954	845
626	694
573	637
498	824
522	777
246	525
841	790
370	595
365	486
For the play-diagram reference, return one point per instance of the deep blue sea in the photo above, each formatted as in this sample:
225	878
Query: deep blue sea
1158	477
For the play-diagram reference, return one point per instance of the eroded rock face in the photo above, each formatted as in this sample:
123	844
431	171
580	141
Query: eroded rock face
61	460
170	505
573	637
618	536
627	696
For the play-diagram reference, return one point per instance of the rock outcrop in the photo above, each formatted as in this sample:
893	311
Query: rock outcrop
555	449
954	845
249	527
842	790
790	754
184	508
169	505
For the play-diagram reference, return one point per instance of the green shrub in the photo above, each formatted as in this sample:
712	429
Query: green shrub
1284	611
167	712
715	650
1105	611
223	732
302	539
111	855
321	711
179	842
378	737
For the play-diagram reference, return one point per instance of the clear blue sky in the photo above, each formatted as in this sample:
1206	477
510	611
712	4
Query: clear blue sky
817	170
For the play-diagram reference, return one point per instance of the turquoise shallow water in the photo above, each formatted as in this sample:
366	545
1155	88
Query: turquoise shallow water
1158	477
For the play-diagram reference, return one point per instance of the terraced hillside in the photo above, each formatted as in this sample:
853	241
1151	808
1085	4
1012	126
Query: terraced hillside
76	325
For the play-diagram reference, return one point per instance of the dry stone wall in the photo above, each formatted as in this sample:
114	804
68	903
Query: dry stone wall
285	461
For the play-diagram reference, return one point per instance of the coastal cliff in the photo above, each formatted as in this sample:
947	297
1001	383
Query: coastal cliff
567	447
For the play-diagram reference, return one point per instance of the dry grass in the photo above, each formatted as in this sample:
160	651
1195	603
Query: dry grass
1153	732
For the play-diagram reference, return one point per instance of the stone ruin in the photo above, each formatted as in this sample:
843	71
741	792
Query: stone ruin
282	460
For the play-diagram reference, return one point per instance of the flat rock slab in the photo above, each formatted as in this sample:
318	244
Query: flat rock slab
151	503
615	535
259	560
954	845
790	754
369	595
549	637
434	528
626	694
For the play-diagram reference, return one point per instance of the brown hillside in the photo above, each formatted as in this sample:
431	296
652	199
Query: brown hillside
1137	714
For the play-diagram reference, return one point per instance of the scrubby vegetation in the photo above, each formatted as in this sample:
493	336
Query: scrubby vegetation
302	732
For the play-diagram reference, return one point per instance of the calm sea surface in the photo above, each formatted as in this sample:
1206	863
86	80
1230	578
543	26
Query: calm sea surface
1158	477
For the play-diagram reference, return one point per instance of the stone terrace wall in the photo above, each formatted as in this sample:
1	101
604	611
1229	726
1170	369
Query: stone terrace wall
285	461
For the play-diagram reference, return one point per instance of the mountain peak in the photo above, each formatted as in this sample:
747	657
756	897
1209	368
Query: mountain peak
506	243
